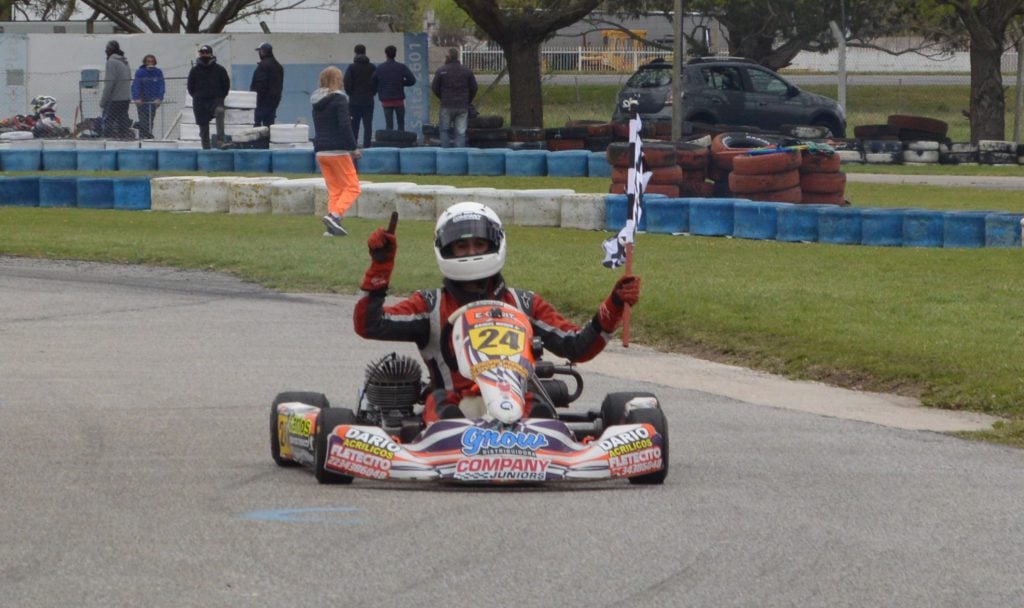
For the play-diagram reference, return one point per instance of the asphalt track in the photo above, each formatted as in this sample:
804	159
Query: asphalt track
136	472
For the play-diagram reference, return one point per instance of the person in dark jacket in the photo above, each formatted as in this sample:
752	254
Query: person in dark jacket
148	90
117	94
208	84
360	89
455	85
268	82
470	245
335	148
390	80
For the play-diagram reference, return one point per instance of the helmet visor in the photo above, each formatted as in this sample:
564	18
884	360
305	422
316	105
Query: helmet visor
468	226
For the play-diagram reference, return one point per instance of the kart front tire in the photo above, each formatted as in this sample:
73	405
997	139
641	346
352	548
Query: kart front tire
315	399
656	418
613	408
325	424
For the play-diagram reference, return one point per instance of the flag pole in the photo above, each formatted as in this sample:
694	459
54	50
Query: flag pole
632	202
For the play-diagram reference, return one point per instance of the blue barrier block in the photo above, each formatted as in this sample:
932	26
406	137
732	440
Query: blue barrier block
798	223
568	163
964	229
379	161
97	160
132	193
137	159
527	163
19	191
923	228
215	161
1003	229
839	226
293	161
667	215
452	161
882	227
756	220
60	160
418	161
58	191
252	161
174	159
487	161
712	216
96	192
21	160
615	206
597	165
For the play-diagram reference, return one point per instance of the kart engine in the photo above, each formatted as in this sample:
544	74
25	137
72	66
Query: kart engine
392	389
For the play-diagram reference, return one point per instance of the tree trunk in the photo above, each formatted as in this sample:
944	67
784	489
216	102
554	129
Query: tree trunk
988	104
523	61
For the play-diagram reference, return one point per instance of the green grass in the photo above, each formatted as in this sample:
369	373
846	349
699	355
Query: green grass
943	325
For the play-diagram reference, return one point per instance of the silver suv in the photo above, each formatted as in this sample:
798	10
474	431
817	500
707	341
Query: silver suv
729	91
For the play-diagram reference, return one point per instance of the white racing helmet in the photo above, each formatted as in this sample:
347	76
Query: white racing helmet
43	103
464	221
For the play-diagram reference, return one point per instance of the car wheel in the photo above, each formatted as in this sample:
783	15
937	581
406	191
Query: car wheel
831	124
328	420
656	418
315	399
613	408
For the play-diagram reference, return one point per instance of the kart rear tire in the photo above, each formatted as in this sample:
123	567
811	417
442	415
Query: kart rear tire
613	408
315	399
328	420
656	418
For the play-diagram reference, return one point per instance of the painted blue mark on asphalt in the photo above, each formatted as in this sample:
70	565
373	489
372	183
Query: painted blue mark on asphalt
316	515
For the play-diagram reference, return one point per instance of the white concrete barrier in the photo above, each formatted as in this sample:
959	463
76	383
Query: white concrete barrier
377	201
447	198
115	144
293	196
58	144
211	194
537	207
419	202
251	194
90	144
171	193
582	211
148	144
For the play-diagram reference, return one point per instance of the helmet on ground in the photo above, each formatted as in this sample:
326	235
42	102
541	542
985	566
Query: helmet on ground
43	103
465	221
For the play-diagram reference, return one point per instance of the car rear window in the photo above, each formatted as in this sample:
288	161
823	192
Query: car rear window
651	77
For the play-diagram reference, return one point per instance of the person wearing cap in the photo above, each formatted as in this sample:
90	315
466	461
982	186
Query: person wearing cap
360	89
208	84
117	94
390	80
267	82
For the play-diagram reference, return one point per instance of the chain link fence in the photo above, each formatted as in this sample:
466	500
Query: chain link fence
89	117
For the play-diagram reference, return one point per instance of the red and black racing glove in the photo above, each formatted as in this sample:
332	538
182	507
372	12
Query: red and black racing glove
626	291
383	247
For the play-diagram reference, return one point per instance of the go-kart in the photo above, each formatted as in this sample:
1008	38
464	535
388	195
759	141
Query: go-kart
385	438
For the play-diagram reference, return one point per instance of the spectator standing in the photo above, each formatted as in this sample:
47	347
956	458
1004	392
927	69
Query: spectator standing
390	80
335	148
268	82
359	86
148	90
208	84
455	85
117	93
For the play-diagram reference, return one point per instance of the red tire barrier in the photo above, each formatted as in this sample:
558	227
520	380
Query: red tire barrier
661	175
692	157
820	163
766	164
823	183
790	195
746	184
727	146
556	145
918	123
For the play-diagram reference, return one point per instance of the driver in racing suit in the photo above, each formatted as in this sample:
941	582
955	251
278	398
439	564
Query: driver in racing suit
470	247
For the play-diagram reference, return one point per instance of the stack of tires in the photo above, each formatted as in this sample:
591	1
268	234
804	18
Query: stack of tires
771	177
821	181
659	159
566	138
598	136
393	138
526	138
727	146
693	160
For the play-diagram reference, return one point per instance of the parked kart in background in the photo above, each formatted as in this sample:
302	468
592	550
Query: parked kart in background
384	438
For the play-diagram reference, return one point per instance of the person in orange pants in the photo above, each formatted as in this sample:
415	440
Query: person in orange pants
335	148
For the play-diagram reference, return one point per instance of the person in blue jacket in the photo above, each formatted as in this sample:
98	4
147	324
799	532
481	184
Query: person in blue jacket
390	79
147	94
